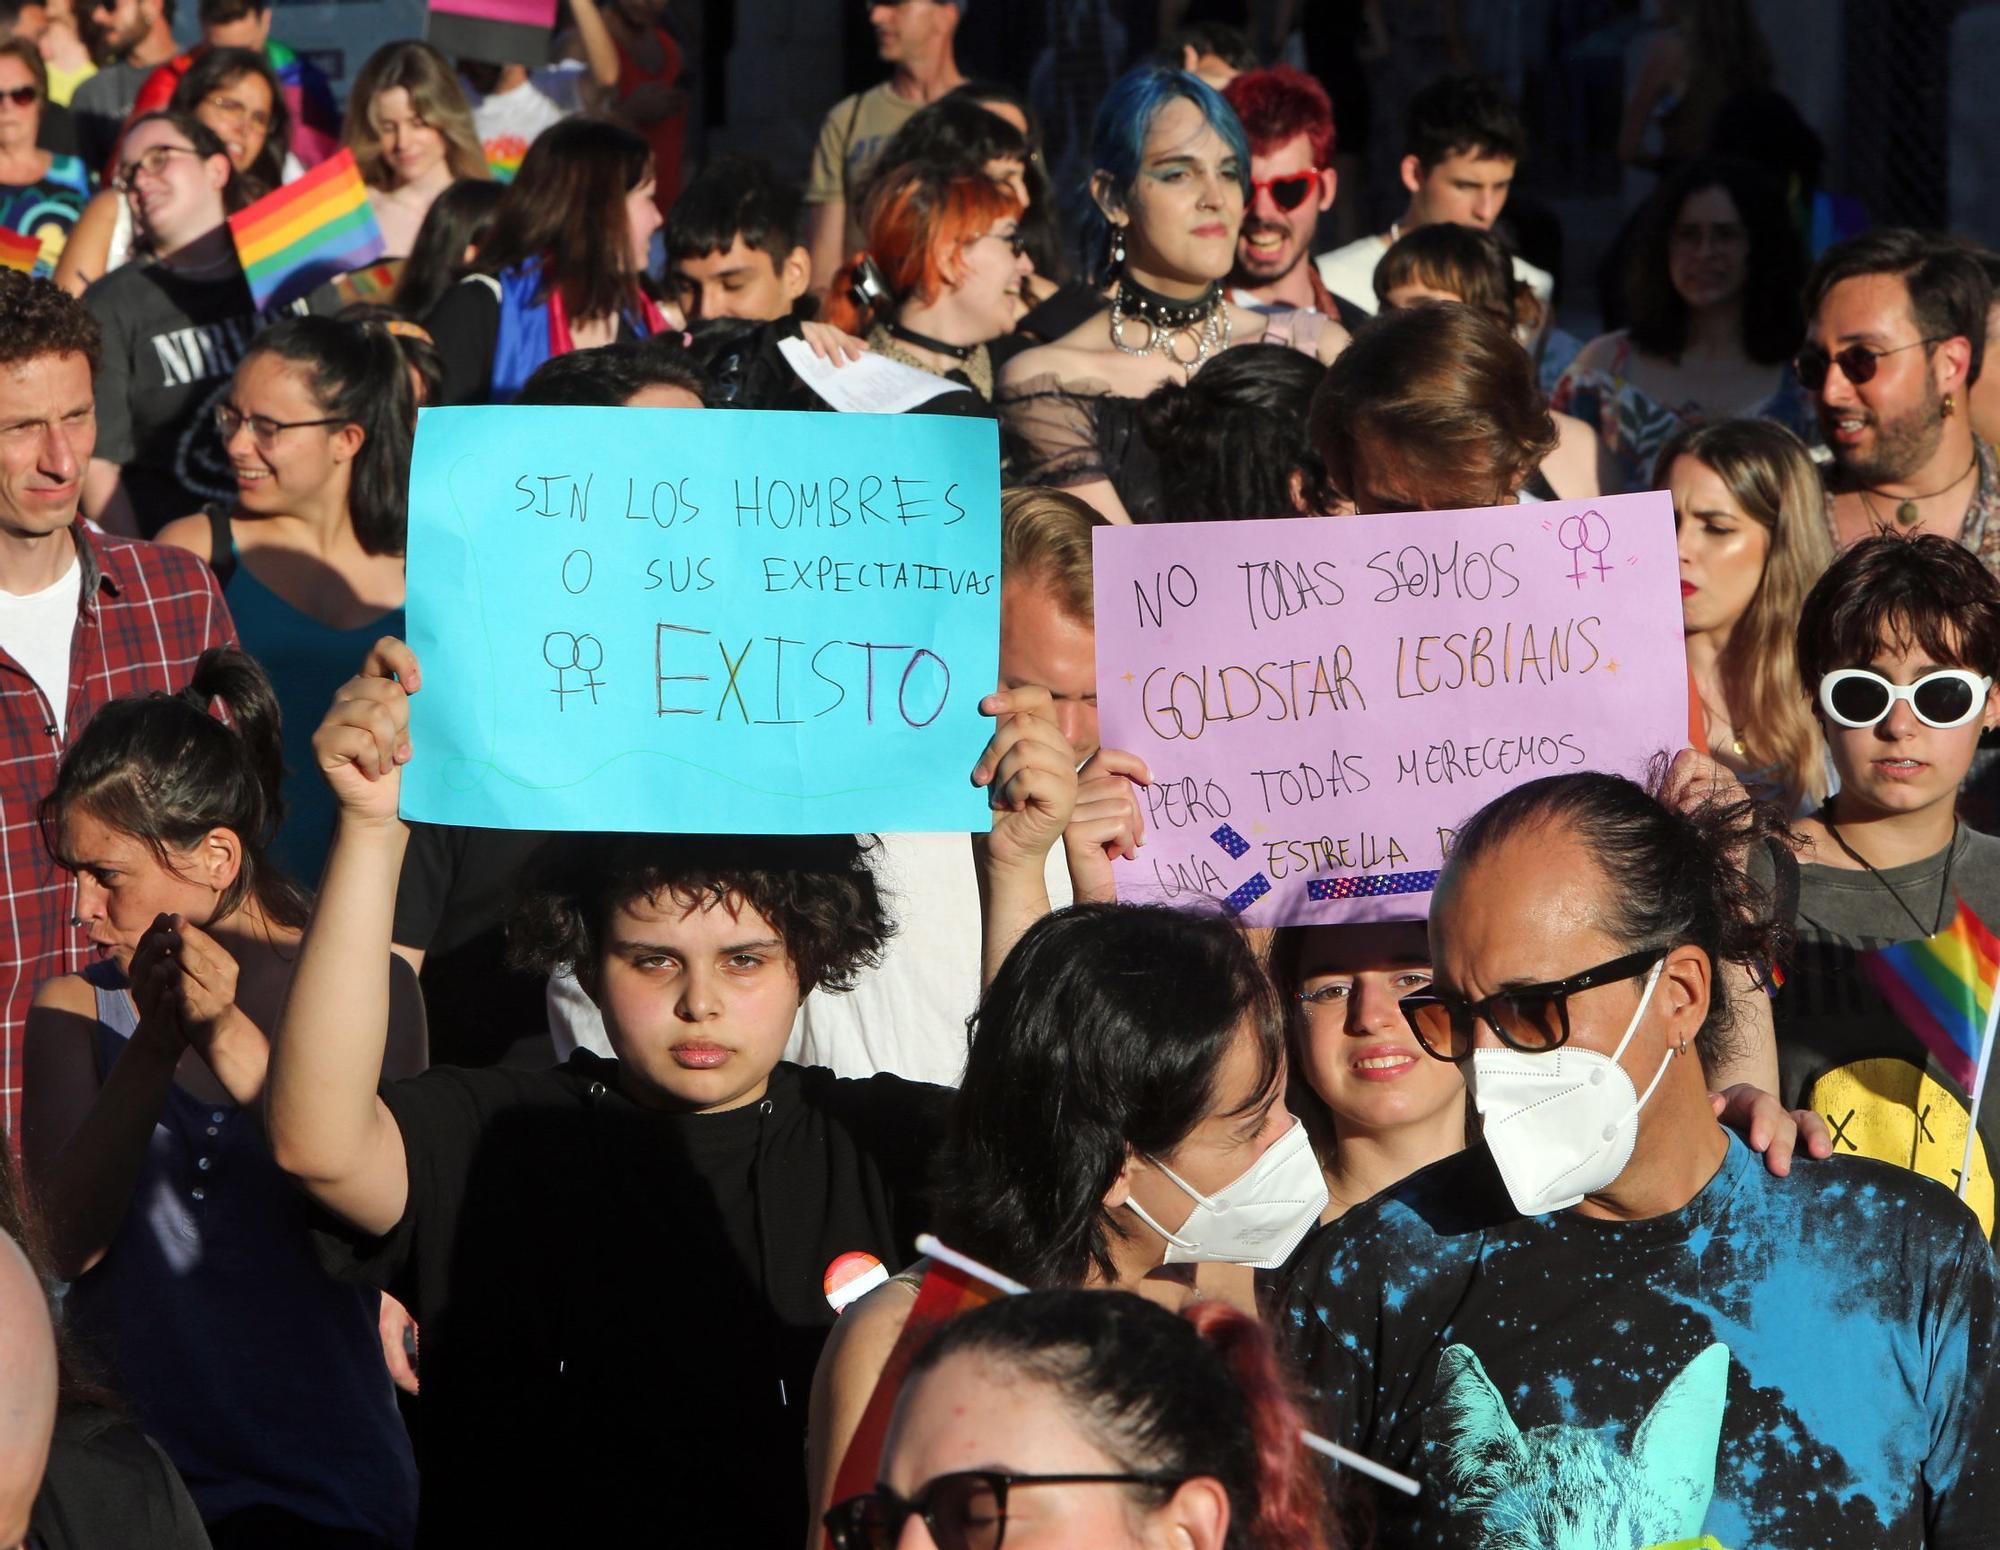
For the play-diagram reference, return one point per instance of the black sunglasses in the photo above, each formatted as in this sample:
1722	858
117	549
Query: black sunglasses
1287	192
22	96
1857	362
1530	1018
965	1510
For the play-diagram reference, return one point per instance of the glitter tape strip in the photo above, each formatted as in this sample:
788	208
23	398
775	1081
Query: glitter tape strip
1231	841
1373	887
1253	889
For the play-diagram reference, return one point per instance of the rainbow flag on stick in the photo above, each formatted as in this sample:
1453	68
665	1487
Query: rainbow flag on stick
312	229
19	251
1946	990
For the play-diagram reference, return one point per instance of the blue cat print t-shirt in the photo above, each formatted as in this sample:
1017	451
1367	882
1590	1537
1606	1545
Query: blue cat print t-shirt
1785	1364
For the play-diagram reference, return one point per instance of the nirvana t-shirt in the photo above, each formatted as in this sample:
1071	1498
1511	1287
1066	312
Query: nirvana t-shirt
171	344
1804	1363
621	1310
1843	1051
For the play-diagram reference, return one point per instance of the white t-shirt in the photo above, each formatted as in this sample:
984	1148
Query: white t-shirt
906	1016
1349	273
36	631
508	121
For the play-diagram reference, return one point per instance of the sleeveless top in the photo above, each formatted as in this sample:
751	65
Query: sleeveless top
260	1375
1064	432
306	661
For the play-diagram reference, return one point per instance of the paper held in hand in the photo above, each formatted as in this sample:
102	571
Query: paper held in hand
1323	701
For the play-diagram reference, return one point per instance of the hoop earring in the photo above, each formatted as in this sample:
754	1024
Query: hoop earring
1948	408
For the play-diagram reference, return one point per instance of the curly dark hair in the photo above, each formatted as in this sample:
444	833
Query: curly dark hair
38	317
1772	321
818	892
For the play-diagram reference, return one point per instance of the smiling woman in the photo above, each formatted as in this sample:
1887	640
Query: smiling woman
41	194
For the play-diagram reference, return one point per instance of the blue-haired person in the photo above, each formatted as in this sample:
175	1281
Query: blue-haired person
1167	196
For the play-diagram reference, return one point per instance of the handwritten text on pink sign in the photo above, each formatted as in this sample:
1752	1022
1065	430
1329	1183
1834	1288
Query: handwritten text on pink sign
1323	701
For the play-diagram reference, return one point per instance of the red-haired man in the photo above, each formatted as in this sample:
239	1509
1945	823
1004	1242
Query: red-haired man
1290	124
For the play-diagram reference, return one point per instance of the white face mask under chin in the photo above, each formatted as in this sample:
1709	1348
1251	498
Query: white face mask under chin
1561	1125
1256	1220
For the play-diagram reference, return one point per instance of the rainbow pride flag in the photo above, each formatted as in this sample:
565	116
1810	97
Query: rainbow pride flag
1942	988
19	251
305	233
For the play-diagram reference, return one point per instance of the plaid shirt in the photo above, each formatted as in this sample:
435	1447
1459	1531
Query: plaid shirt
144	614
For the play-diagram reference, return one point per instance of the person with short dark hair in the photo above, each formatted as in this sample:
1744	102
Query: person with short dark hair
84	618
1715	321
129	38
1462	144
1214	53
733	244
1233	444
1898	651
1289	121
915	38
1896	326
1589	1327
618	1264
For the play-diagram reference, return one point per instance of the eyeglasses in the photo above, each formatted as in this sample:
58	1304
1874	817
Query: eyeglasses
1017	241
21	96
1288	191
242	112
1947	698
153	163
965	1510
1857	362
1530	1018
263	429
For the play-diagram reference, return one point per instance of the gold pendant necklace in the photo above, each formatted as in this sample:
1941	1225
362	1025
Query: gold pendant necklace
1908	512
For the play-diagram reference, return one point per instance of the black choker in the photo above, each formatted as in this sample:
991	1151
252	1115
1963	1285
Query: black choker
958	352
1167	313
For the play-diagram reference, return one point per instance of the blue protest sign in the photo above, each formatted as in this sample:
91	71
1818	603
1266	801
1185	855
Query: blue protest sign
686	620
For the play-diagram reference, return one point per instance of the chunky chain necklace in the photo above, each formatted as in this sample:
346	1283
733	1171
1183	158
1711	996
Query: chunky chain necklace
1167	318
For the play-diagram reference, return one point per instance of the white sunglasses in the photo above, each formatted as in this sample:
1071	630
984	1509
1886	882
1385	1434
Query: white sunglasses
1947	698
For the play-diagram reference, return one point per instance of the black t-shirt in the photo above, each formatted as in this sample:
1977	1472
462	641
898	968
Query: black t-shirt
1805	1363
108	1483
622	1310
452	902
171	344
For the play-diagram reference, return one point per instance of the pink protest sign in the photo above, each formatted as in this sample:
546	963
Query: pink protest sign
498	31
1323	701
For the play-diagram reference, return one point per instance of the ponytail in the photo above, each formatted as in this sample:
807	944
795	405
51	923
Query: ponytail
169	768
357	373
1291	1500
917	217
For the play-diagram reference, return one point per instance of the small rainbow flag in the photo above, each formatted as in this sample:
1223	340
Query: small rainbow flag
315	227
945	1292
376	283
1942	987
19	251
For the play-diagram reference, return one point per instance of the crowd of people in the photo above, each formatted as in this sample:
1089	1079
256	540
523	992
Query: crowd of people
376	1183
